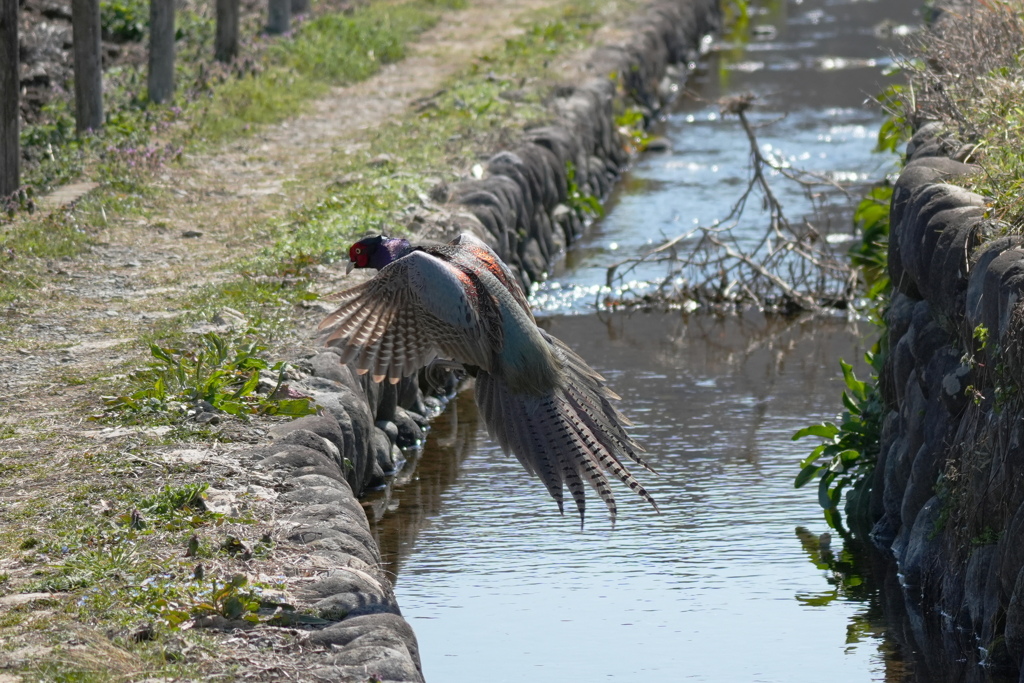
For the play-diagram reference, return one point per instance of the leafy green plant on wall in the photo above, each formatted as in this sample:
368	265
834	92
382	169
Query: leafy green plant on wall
632	126
871	254
846	457
736	14
994	380
579	201
896	100
980	337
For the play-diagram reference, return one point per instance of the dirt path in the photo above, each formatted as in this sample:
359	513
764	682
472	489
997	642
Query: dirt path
96	303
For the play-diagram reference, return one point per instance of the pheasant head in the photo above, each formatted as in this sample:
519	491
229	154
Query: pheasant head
377	252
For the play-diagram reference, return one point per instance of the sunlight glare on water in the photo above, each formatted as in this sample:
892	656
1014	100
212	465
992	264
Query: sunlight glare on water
811	113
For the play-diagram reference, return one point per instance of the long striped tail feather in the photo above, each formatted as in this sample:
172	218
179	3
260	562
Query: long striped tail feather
567	437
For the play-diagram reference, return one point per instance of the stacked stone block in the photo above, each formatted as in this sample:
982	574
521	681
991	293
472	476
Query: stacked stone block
948	490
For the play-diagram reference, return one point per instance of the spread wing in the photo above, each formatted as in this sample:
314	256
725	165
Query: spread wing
414	310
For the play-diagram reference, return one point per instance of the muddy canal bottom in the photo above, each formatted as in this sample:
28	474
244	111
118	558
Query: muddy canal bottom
723	585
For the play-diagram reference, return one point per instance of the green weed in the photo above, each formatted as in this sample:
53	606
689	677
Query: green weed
579	201
849	450
219	375
632	125
171	499
736	12
988	536
896	129
871	220
228	599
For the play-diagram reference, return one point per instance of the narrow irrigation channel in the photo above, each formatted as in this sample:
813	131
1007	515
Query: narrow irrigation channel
733	580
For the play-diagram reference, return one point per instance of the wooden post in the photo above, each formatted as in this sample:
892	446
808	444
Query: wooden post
226	44
161	50
85	22
279	16
10	86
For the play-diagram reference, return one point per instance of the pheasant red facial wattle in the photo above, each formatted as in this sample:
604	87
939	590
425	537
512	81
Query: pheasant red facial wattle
359	255
459	301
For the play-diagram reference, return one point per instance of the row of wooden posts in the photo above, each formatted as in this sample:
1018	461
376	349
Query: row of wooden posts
85	22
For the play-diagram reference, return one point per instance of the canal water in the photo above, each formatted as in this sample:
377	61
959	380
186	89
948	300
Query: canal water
734	580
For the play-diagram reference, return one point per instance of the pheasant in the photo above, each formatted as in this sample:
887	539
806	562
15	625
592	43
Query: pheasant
459	301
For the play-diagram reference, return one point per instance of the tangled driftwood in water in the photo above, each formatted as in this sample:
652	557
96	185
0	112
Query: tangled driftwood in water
793	267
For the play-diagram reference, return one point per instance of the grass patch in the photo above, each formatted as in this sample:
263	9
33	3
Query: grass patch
14	286
254	100
334	49
968	73
129	551
218	374
60	234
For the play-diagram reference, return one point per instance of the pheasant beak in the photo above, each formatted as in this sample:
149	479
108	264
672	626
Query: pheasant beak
349	266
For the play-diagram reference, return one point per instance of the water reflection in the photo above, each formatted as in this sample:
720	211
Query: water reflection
498	582
912	648
410	503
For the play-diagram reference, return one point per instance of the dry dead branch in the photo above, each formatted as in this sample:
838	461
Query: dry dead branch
792	267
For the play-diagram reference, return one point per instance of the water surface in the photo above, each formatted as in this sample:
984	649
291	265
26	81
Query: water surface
717	587
729	582
813	74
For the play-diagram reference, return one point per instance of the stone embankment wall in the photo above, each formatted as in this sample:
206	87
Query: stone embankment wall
948	491
521	207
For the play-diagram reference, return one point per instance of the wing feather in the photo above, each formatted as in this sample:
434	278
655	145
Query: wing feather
374	324
414	310
505	417
476	249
